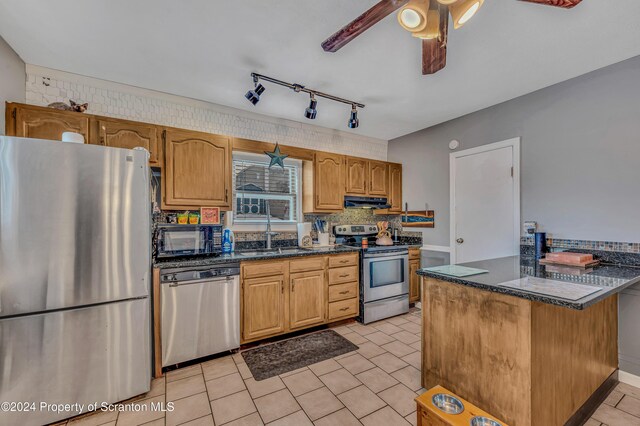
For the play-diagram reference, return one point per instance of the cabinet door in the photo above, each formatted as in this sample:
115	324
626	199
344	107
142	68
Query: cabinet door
197	169
307	304
123	134
356	175
39	124
414	281
329	182
263	307
378	178
395	188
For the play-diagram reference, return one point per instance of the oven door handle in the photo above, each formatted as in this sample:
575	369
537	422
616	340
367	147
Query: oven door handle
390	256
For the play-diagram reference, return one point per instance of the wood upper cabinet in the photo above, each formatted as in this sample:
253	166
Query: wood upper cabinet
357	176
395	188
263	307
125	134
378	181
307	304
367	177
323	183
46	123
197	170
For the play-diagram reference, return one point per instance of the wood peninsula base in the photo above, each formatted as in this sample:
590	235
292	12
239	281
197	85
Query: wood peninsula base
525	362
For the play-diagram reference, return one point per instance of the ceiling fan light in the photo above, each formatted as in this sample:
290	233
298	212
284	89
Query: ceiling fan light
463	11
432	30
413	16
447	2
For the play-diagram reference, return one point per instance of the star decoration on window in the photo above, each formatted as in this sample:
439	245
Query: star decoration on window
276	157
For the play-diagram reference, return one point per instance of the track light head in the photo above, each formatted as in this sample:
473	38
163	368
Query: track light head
311	111
353	119
254	95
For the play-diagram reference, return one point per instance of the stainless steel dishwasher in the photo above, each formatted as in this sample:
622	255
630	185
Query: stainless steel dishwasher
200	311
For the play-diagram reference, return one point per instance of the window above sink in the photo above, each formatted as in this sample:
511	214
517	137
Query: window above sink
255	185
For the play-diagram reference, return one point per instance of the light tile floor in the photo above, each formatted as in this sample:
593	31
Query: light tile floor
374	386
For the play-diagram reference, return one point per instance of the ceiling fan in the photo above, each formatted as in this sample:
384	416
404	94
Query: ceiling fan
425	19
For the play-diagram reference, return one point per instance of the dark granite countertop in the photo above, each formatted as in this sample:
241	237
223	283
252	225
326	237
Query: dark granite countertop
246	255
611	278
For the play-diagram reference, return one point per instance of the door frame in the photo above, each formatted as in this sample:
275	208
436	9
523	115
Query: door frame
514	143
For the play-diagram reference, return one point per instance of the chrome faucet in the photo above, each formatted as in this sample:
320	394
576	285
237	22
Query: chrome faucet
269	234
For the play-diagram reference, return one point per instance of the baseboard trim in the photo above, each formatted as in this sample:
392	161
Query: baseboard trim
583	413
628	378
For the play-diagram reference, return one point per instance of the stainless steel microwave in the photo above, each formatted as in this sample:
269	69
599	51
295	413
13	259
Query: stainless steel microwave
188	240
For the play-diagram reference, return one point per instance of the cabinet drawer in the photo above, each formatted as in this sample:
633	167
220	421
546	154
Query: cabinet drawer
344	308
343	275
263	269
343	291
307	264
414	254
344	260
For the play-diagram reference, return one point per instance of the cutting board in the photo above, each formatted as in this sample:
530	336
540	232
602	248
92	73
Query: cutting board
588	264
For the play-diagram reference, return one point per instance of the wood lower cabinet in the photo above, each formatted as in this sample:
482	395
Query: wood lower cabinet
378	181
344	287
414	278
357	171
276	300
197	170
129	135
323	183
263	307
395	188
45	123
307	304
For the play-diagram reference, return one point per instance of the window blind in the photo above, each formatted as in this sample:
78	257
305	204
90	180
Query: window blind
255	185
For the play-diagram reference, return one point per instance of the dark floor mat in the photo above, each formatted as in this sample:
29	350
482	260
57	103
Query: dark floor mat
288	355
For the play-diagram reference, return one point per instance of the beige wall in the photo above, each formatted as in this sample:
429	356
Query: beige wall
12	79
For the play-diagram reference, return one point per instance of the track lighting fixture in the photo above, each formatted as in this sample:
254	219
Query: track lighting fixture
254	95
311	112
353	120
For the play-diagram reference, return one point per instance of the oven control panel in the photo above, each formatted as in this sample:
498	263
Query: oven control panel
355	230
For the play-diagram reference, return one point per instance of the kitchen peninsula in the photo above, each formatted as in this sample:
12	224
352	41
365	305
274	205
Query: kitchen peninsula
529	344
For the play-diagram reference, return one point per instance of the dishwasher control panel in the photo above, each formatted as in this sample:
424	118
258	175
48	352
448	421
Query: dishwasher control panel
187	274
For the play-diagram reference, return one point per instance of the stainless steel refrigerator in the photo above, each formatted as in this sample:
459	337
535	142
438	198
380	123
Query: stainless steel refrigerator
74	276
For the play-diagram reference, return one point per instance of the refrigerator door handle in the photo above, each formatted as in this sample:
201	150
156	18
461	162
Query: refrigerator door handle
206	280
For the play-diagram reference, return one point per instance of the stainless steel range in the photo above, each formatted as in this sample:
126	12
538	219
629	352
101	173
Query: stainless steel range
384	273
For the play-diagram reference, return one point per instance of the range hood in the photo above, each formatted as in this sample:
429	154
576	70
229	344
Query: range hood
351	202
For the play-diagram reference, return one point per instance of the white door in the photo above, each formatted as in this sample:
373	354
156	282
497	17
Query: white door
485	202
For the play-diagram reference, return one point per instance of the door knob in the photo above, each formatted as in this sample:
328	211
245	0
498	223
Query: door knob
459	241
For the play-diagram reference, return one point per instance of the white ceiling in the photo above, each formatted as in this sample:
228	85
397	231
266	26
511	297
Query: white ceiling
205	49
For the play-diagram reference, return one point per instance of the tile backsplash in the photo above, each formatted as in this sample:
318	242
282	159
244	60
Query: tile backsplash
559	243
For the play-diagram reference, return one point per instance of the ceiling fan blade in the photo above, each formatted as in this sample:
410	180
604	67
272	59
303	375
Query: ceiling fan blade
567	4
362	23
434	51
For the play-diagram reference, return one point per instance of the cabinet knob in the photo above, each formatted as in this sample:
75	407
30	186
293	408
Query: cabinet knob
459	241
